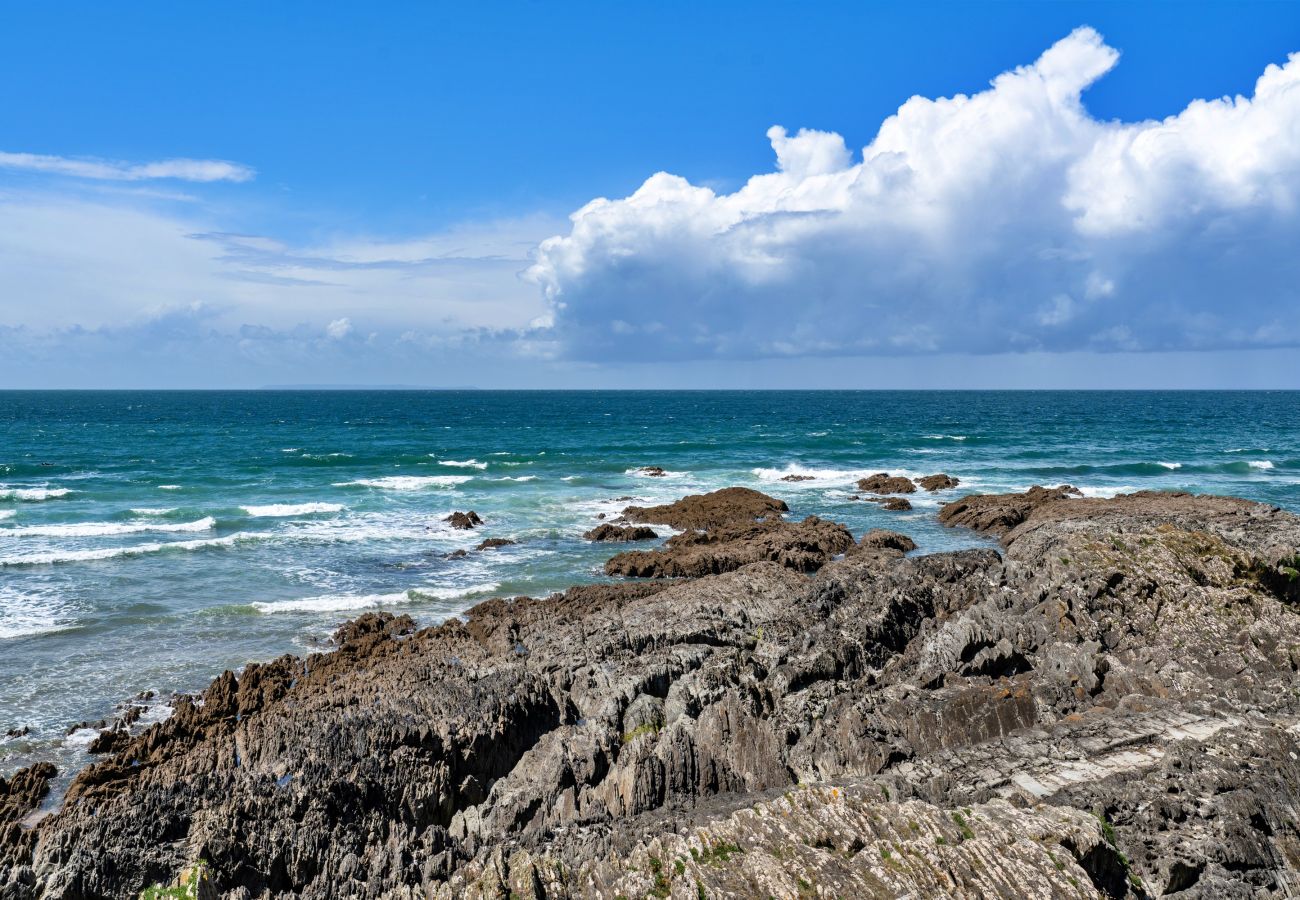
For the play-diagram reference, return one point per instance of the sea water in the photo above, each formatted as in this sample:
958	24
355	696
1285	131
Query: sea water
150	540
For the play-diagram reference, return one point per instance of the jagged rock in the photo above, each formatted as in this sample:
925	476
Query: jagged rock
651	471
109	741
797	478
1108	707
895	504
620	533
884	483
729	505
880	538
458	553
940	482
999	513
494	543
366	625
464	520
803	546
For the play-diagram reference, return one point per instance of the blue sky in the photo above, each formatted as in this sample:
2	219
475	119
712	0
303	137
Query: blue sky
243	194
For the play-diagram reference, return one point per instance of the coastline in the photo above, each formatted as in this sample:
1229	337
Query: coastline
613	725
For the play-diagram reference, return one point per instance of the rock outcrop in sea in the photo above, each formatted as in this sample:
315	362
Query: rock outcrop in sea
1108	705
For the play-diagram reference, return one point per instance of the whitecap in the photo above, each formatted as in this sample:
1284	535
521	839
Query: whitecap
819	477
106	529
1170	466
169	487
462	463
6	514
407	482
1260	464
818	433
338	602
944	437
516	478
70	556
291	509
32	494
153	510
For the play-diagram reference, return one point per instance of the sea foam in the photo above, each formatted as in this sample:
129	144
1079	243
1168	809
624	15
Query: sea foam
291	509
407	482
55	557
338	602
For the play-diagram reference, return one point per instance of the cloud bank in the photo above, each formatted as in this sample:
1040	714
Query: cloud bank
1010	220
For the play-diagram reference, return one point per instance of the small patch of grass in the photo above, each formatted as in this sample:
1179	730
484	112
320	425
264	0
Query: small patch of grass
641	730
186	890
661	887
960	821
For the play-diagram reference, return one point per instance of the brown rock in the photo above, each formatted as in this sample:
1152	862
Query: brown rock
619	533
494	543
651	471
463	520
798	478
999	513
371	623
884	483
940	482
880	538
802	546
733	504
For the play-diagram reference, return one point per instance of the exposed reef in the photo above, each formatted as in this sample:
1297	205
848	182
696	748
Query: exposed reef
1107	706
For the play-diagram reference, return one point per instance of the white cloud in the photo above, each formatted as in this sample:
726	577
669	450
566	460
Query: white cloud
1007	220
77	260
200	170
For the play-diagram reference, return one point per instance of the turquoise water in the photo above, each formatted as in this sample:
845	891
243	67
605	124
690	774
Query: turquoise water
149	540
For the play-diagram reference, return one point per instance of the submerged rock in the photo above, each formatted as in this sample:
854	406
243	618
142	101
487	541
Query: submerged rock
1109	707
797	478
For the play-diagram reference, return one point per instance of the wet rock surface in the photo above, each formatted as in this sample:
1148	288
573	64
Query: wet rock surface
724	507
620	533
940	482
1109	706
494	544
884	483
464	520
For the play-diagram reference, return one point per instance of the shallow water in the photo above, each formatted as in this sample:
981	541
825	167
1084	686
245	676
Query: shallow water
149	540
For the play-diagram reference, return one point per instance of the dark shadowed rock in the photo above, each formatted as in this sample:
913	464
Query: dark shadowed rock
494	543
458	553
619	533
797	478
884	483
651	471
464	520
733	504
940	482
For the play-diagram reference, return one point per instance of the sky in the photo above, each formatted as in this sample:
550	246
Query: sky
758	194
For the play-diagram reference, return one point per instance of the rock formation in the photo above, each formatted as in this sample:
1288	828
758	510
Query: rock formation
463	520
727	506
940	482
495	543
884	483
1108	707
620	533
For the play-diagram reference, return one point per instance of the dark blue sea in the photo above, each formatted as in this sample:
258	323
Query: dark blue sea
149	540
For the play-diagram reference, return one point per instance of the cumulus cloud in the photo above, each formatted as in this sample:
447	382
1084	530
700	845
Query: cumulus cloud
1006	220
199	170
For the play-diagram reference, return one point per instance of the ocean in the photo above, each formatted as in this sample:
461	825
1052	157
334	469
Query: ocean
150	540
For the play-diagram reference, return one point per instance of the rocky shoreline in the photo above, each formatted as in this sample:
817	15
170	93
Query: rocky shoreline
1109	706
